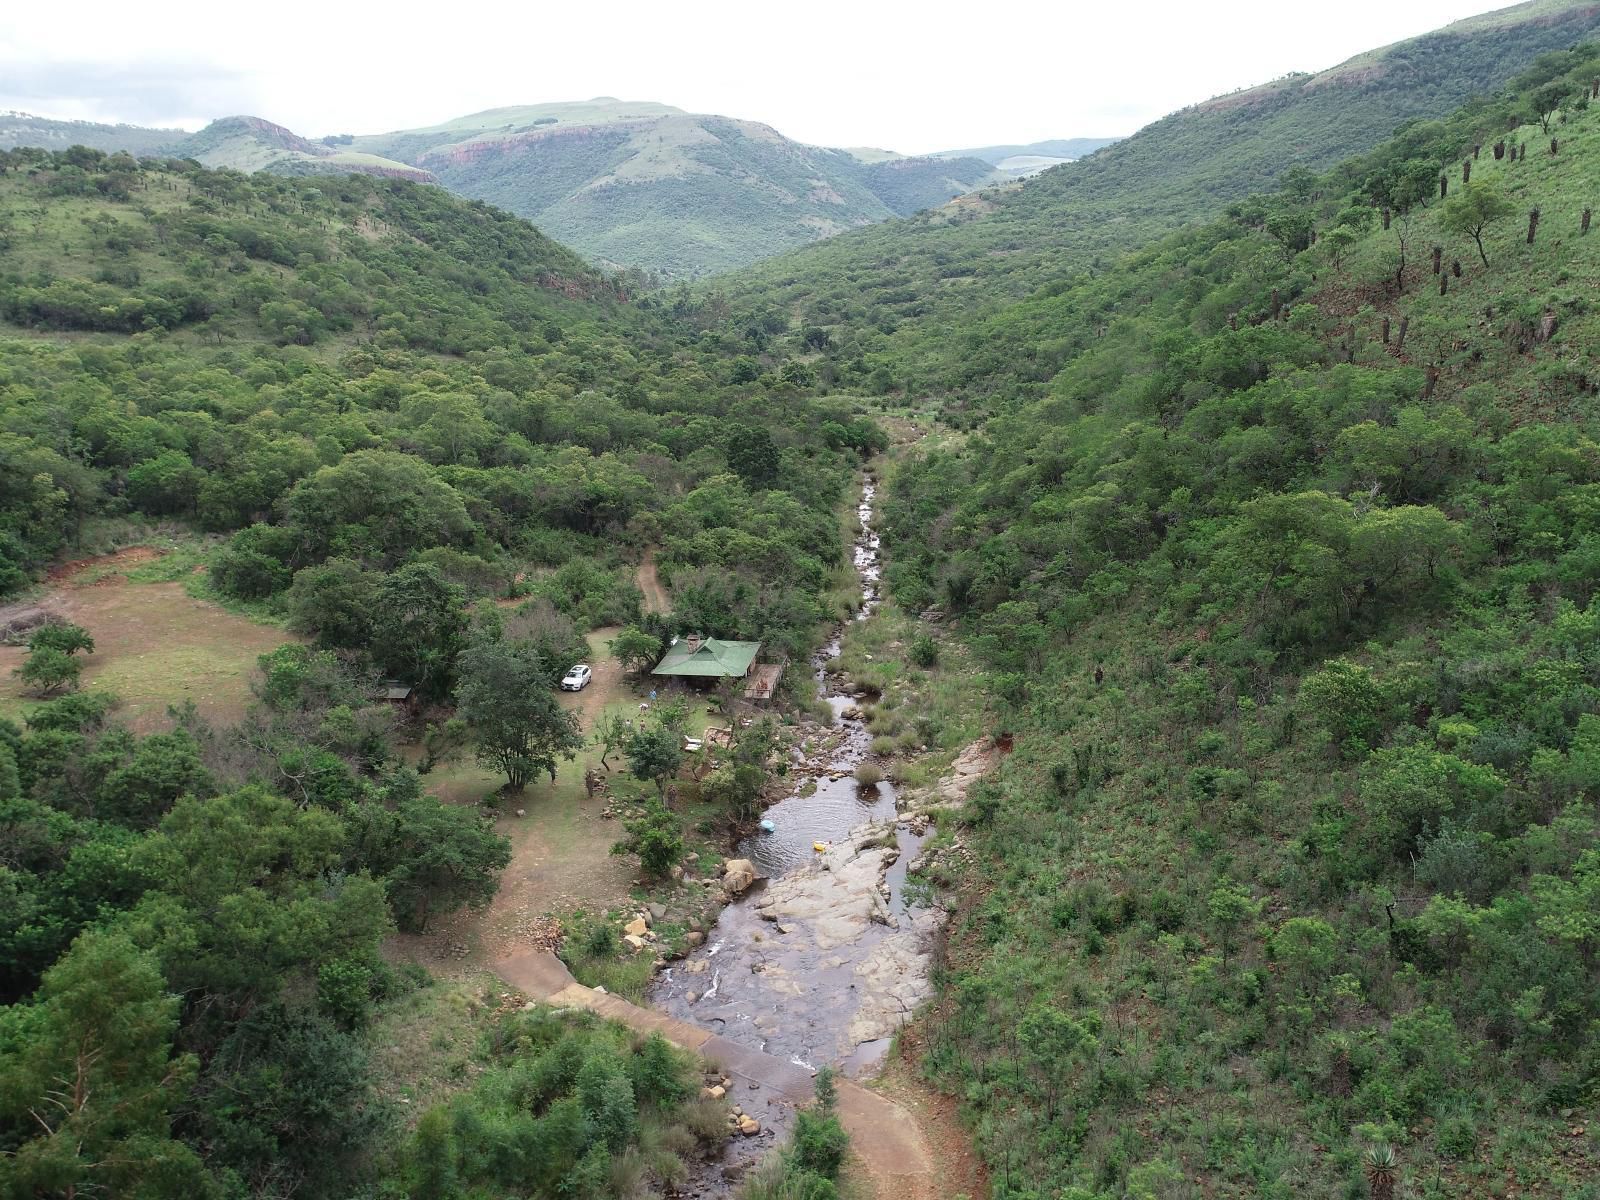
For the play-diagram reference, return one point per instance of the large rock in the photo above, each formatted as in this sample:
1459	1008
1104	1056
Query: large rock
738	874
636	927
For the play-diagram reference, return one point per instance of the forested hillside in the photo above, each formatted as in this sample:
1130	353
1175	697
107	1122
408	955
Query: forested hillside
364	409
1282	573
911	304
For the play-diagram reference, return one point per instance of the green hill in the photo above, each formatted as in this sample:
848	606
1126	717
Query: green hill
1283	586
931	280
252	144
650	187
25	129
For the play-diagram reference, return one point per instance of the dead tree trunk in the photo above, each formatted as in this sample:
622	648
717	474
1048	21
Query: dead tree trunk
1387	217
1499	150
1386	331
1400	339
1533	224
1476	149
1555	146
1444	284
1466	170
1587	213
1277	303
1455	268
1432	381
1444	185
1438	253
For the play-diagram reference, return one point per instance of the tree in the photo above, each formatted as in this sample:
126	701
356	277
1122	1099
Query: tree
1546	102
657	838
611	734
88	1081
656	753
418	625
512	716
1473	208
1230	906
753	457
253	891
636	649
66	637
47	670
433	858
335	603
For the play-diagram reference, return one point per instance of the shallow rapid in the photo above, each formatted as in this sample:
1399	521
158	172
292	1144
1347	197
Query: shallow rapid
821	963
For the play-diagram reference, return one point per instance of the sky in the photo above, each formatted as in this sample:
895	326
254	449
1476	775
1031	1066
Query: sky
906	77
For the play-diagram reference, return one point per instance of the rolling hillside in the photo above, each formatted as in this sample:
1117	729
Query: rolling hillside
25	129
252	144
679	194
1284	584
990	250
629	185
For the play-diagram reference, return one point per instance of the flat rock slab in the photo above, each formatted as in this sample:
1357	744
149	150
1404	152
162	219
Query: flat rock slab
884	1136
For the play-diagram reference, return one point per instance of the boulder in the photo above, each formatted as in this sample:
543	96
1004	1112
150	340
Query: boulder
636	927
634	940
657	912
713	1093
749	1126
694	938
737	876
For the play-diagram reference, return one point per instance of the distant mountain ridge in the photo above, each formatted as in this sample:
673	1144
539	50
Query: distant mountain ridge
1063	149
628	184
47	133
646	185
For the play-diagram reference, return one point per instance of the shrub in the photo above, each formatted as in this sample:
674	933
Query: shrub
924	651
47	670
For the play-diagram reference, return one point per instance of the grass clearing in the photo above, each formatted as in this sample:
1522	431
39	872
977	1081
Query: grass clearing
155	645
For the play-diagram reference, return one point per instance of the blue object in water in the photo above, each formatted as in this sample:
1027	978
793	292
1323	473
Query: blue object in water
769	826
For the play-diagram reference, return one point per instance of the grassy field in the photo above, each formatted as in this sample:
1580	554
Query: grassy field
156	646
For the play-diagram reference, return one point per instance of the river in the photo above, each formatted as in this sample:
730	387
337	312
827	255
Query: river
821	962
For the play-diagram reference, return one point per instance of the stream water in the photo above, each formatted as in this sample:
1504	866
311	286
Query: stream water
810	964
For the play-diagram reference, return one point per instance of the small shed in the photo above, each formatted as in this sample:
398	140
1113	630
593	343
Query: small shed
397	694
697	658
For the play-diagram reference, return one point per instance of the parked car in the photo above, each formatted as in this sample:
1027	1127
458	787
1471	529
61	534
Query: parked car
576	679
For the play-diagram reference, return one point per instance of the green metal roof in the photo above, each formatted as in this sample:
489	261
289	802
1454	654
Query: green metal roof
712	657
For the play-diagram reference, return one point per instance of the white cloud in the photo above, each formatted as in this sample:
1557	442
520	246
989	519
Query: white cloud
909	77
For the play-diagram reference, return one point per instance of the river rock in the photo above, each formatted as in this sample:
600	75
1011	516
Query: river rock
633	940
738	874
694	938
749	1126
698	967
713	1093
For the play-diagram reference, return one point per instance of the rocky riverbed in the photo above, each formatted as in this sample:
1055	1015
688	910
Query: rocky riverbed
823	958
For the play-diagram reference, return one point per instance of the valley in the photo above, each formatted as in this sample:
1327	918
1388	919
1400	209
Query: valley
1173	578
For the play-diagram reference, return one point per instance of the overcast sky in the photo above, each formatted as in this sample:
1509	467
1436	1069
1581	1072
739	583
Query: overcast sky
908	77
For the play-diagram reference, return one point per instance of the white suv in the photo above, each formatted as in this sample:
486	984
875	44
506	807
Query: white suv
576	679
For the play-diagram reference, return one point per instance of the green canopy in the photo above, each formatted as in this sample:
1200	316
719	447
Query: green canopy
712	657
